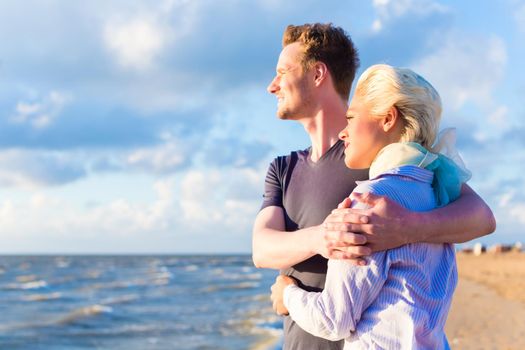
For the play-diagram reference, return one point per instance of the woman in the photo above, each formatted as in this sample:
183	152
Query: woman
400	300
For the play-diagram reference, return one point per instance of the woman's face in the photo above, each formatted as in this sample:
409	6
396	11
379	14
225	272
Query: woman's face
363	136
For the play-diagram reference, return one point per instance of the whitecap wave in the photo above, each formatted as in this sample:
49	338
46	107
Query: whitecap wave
42	297
85	312
27	285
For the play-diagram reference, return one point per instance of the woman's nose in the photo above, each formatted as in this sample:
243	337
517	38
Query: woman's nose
343	134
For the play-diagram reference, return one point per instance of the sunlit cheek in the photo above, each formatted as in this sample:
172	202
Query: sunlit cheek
351	157
348	159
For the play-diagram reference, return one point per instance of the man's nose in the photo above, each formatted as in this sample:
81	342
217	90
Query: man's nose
274	86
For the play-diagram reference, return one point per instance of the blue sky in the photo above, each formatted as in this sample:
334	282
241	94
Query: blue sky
145	127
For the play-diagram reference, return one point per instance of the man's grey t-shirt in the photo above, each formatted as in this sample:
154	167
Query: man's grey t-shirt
308	192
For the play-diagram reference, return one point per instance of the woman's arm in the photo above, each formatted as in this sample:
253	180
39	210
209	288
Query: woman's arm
334	313
349	290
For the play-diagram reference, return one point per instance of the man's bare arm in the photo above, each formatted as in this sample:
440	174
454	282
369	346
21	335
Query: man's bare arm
465	219
275	248
390	225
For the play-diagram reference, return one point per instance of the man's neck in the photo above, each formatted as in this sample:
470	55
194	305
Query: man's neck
324	127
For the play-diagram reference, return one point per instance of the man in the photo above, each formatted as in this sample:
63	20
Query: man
296	229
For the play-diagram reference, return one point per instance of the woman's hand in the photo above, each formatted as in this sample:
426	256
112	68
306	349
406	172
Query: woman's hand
281	282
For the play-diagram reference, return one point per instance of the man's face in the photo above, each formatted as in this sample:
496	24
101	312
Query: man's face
291	84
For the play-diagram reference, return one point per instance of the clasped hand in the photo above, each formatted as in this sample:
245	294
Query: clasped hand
353	234
281	282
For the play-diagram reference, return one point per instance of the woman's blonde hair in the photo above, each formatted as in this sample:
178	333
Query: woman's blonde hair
382	86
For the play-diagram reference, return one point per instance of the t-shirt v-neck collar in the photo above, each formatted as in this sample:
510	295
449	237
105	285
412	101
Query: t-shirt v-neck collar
324	156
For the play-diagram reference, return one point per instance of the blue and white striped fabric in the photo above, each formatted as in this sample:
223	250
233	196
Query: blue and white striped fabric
401	299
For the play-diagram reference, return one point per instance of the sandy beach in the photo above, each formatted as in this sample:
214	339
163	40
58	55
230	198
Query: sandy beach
488	310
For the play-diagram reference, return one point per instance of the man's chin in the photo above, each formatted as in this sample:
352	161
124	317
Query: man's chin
283	115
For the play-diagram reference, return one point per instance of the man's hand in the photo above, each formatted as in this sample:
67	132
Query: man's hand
389	226
355	233
281	282
340	239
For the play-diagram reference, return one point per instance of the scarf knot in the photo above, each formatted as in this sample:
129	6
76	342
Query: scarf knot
449	170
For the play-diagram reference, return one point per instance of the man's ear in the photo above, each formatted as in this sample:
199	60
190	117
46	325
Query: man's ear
390	120
321	72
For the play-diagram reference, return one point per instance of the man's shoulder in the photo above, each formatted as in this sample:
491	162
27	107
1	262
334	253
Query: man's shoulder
296	153
293	155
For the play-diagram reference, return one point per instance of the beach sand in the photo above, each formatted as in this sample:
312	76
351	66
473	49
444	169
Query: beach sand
488	309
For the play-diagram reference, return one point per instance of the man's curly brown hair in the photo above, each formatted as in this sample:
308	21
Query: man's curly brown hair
330	45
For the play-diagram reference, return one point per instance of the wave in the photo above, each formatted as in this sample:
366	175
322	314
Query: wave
261	323
242	285
269	342
240	276
191	268
26	278
122	299
153	278
161	275
24	266
93	274
261	298
84	312
27	285
118	284
75	315
62	263
42	297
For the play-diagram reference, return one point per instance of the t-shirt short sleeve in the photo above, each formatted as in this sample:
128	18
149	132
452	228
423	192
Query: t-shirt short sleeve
273	190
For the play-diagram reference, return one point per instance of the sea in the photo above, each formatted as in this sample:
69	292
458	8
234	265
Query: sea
136	302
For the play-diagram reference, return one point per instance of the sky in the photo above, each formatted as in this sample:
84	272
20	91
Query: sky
146	127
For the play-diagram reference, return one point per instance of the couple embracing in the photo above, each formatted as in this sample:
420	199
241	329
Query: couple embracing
373	194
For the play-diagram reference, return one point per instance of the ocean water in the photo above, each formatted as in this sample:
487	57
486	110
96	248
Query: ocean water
136	302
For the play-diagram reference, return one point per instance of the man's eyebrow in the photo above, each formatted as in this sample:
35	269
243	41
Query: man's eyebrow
285	68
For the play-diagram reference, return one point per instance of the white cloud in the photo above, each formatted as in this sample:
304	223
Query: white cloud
138	36
519	17
40	201
54	217
135	43
467	70
6	213
499	116
506	198
518	212
31	169
221	198
387	10
377	25
165	158
40	114
510	206
202	202
380	3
